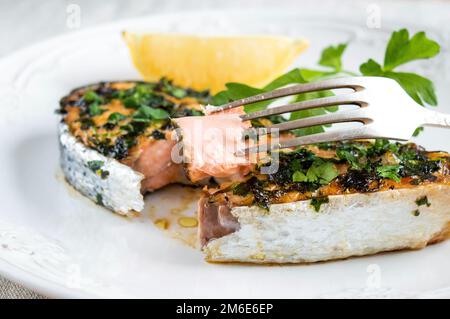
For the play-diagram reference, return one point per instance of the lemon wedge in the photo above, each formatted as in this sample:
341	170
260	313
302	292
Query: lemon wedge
210	62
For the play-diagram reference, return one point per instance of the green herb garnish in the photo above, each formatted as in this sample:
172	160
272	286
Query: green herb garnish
95	165
241	189
400	50
94	101
179	93
131	102
317	202
159	114
116	117
332	56
418	131
147	114
353	153
299	177
422	201
321	171
99	199
91	96
390	171
95	109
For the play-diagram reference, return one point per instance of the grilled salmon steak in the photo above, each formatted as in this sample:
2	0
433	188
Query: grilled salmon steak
330	201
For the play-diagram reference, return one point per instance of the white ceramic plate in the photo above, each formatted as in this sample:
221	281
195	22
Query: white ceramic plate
59	243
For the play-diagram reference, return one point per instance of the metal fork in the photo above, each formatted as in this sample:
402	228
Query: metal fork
385	110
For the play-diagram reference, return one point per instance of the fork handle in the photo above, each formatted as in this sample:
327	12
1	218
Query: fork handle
437	119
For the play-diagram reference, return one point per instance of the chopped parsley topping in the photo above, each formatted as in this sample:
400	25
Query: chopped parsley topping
95	109
116	117
99	199
416	212
299	177
95	165
365	167
390	172
320	171
241	189
179	93
91	97
146	114
423	201
317	202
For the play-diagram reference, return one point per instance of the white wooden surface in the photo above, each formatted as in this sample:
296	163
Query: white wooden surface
24	22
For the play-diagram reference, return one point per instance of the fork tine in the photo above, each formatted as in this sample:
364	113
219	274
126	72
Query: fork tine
334	136
341	135
330	118
352	98
347	82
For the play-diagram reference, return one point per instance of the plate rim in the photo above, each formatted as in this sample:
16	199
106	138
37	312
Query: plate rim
51	289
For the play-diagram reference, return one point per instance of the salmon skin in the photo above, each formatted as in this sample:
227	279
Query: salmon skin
98	177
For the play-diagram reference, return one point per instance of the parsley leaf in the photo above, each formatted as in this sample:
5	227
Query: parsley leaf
91	96
237	91
322	171
401	49
146	114
332	56
292	77
116	117
95	165
389	171
382	146
94	109
418	131
314	75
317	202
299	177
353	154
371	68
158	114
311	112
179	93
418	87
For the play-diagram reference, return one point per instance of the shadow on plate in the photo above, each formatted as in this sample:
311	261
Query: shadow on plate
35	162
